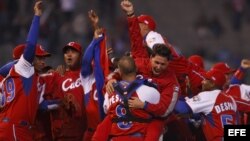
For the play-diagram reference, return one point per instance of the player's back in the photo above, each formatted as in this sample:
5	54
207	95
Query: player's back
118	110
224	112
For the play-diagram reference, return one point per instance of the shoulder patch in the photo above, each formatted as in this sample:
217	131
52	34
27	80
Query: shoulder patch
196	98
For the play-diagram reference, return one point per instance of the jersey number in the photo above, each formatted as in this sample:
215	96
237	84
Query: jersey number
121	112
10	90
226	120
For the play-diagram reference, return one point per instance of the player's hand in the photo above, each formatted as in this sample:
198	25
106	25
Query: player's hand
109	51
245	63
93	18
109	86
127	7
46	103
98	33
38	8
135	102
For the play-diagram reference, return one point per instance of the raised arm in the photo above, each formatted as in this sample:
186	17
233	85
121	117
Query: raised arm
239	74
88	56
136	39
29	51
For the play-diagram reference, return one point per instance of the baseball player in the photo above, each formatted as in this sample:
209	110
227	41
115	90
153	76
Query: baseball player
233	76
94	64
127	123
143	27
241	93
20	90
197	60
217	108
41	128
167	85
69	120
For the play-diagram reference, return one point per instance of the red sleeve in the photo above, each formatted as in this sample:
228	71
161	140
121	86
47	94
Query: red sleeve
242	105
170	91
239	74
103	130
137	48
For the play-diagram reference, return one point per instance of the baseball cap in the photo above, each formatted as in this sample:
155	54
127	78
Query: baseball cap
197	60
18	51
223	67
40	51
73	45
216	76
148	20
153	38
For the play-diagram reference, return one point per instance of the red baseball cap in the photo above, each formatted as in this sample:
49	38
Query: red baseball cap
18	51
223	67
40	51
148	20
197	60
217	77
73	45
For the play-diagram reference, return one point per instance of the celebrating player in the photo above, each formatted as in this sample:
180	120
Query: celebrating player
20	90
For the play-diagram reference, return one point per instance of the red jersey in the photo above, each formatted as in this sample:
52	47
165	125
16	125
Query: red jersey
116	109
167	86
91	101
178	63
21	93
241	94
42	126
69	122
21	84
218	109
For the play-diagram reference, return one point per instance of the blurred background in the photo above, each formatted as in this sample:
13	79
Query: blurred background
218	30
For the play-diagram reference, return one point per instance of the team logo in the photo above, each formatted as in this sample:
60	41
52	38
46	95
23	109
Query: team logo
68	84
196	98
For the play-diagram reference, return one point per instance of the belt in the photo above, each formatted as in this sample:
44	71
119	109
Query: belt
20	122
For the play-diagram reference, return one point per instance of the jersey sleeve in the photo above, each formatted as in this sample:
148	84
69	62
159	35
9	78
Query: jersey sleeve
168	98
137	48
245	92
29	51
106	103
24	68
149	94
87	82
203	102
